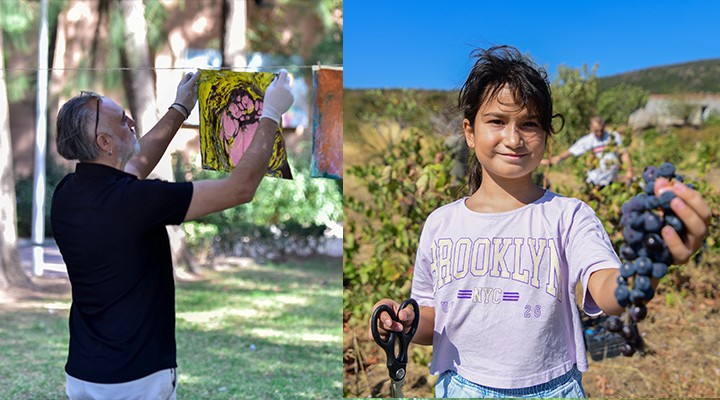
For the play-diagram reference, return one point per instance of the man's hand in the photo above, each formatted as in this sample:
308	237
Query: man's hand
628	176
278	98
187	92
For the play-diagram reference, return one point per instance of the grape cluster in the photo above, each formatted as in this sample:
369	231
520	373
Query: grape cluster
644	254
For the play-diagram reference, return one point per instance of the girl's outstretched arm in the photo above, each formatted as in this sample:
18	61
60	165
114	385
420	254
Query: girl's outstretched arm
601	286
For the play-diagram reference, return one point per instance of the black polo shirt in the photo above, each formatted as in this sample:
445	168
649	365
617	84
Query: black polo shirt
110	228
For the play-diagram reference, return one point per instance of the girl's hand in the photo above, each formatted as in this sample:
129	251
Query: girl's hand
385	323
694	213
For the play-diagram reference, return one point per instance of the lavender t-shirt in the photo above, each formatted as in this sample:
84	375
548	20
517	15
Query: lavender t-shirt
503	288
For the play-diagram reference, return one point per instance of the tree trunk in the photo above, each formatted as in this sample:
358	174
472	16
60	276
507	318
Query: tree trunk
140	84
234	33
137	54
11	273
80	26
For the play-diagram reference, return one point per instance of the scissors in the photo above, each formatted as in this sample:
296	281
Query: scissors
396	362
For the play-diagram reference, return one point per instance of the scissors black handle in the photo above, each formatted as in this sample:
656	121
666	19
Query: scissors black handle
395	362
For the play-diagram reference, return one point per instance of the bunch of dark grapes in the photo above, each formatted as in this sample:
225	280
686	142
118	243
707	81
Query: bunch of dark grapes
644	254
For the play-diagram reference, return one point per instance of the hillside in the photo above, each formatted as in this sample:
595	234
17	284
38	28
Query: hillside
692	77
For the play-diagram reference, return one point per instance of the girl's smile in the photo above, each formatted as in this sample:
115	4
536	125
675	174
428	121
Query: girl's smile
508	140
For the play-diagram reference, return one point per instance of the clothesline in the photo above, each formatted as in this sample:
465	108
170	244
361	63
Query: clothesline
248	68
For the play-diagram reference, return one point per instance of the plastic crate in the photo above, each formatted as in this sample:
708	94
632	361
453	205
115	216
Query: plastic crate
600	343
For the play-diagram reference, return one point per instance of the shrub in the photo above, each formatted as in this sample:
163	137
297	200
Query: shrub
383	229
285	217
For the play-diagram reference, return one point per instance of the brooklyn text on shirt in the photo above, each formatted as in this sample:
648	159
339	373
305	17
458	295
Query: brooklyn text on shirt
518	259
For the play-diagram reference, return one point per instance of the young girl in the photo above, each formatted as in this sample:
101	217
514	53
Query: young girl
495	273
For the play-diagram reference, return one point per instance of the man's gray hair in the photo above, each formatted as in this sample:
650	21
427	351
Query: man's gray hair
73	140
599	120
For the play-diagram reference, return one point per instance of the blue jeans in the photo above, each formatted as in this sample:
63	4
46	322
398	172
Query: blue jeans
452	385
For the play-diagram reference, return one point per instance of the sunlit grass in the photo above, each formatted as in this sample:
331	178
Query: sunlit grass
245	331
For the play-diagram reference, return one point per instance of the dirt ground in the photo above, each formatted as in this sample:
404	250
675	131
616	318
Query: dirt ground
682	333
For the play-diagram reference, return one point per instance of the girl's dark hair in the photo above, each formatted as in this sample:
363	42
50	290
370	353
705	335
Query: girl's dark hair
494	68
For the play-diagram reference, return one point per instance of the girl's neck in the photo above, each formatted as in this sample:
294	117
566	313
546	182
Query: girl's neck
496	196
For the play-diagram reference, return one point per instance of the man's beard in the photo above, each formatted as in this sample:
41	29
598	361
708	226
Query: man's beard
136	146
135	151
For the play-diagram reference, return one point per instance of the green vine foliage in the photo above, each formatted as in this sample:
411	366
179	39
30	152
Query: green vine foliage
383	225
413	175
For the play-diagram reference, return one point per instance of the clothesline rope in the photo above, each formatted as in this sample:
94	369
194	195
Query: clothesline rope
264	67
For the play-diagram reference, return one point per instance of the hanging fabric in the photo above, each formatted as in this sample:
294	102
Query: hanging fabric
327	122
230	109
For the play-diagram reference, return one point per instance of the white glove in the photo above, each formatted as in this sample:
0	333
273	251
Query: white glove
187	91
278	98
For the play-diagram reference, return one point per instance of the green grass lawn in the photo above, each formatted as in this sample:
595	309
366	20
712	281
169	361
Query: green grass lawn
270	331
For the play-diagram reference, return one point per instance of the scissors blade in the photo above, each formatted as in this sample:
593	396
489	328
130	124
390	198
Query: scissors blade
396	388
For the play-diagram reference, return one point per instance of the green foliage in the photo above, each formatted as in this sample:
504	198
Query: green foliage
653	145
425	110
398	190
329	49
382	235
271	321
692	151
116	39
283	211
399	106
17	17
713	121
265	36
24	188
20	85
200	237
606	202
688	148
692	77
575	96
155	15
617	103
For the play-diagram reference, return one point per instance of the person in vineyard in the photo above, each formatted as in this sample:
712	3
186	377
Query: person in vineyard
608	150
109	224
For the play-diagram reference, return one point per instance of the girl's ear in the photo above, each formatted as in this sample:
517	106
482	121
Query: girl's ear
469	133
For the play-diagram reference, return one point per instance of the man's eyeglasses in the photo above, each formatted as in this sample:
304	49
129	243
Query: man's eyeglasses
97	111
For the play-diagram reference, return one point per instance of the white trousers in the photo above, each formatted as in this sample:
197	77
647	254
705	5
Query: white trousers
161	385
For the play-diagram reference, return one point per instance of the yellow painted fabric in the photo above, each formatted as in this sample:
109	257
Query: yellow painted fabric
230	109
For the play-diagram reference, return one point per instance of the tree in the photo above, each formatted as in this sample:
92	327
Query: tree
139	87
11	273
618	102
575	96
234	33
139	83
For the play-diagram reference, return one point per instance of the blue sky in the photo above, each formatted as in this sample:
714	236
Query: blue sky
423	44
